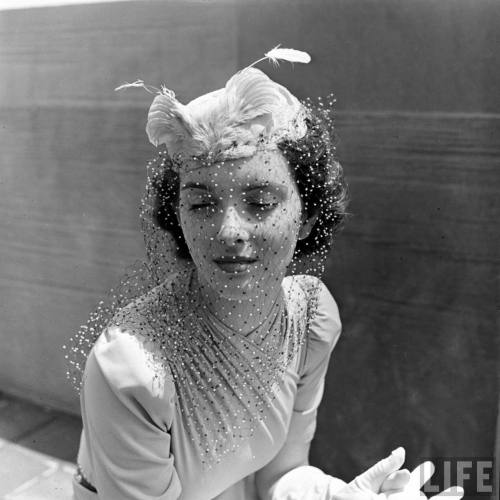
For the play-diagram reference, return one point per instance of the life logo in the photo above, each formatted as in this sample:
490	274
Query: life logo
475	475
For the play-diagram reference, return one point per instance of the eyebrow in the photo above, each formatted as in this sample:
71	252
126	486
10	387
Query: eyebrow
254	187
262	187
195	185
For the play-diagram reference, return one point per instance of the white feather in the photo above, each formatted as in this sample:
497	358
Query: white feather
290	55
139	84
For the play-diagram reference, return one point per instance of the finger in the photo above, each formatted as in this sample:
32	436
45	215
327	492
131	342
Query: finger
396	480
373	478
453	493
420	475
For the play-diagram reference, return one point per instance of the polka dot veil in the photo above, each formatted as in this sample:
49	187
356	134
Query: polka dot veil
240	209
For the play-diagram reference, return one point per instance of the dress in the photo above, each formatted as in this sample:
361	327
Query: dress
135	444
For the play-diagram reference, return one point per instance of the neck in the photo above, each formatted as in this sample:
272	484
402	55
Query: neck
240	315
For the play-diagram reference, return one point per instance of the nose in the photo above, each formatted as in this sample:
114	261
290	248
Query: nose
232	230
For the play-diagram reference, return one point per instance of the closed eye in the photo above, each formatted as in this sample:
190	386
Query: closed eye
263	205
263	201
261	208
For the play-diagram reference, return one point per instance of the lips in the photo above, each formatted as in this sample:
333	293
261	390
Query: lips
234	263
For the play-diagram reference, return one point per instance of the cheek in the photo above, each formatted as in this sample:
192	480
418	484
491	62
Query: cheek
195	230
281	233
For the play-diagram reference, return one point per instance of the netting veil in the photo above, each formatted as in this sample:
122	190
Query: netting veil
240	208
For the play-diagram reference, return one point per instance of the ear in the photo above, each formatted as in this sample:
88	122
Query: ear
307	225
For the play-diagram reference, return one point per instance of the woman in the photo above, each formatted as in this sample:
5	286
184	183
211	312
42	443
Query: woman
206	379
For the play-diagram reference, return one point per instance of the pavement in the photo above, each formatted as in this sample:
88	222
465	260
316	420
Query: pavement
38	448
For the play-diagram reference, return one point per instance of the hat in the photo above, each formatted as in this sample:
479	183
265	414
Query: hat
251	112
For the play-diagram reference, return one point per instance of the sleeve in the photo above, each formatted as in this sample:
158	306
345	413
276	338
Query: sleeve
323	334
127	412
288	475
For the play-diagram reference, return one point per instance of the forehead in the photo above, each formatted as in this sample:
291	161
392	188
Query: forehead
263	168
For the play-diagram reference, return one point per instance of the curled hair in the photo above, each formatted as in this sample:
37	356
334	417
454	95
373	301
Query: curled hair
319	179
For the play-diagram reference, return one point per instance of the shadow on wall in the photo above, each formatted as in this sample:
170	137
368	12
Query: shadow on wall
415	270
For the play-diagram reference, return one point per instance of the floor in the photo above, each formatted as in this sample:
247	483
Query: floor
37	451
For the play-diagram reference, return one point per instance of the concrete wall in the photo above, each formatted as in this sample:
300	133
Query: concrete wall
415	271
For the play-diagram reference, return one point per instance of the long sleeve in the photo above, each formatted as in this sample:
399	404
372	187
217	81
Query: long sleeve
127	410
288	475
324	332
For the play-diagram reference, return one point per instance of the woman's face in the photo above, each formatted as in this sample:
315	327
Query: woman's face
241	220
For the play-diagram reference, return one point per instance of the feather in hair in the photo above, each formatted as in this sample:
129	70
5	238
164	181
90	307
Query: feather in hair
139	84
168	119
281	54
290	55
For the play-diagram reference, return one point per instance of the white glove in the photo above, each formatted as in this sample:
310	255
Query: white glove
382	477
419	476
384	481
310	483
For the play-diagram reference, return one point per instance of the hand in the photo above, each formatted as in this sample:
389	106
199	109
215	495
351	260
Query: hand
382	477
385	481
419	476
310	483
